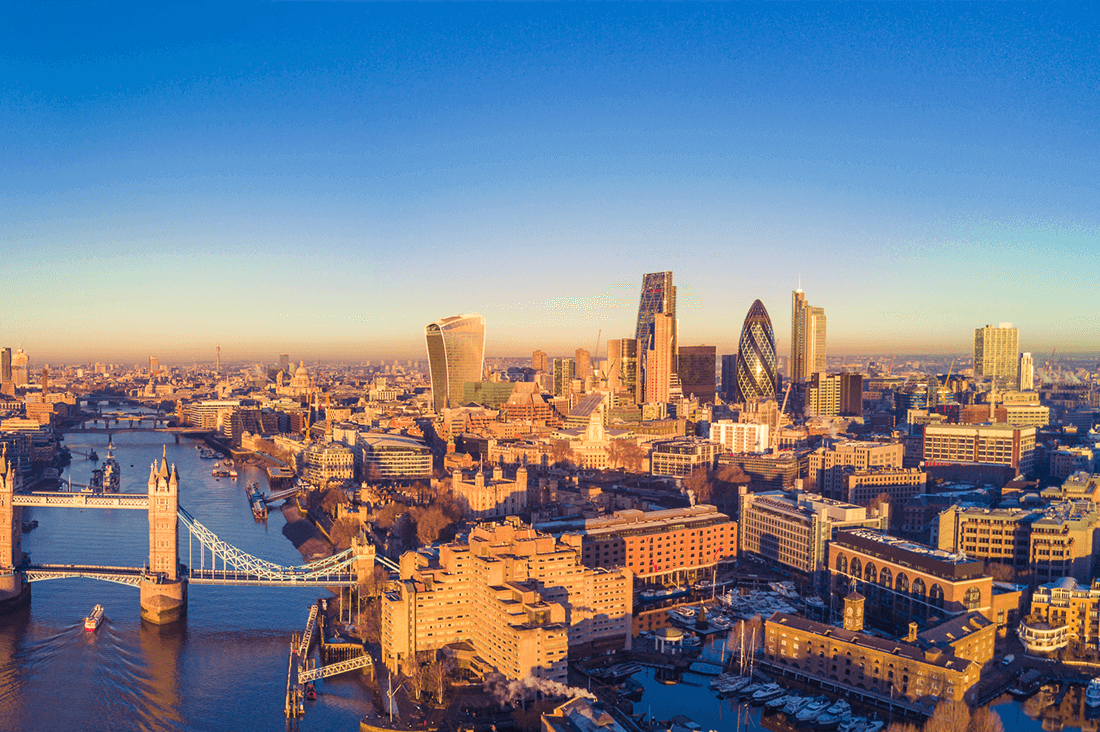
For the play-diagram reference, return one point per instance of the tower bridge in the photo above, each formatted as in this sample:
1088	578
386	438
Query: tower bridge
164	580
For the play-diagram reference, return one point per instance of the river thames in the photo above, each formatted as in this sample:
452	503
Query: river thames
222	668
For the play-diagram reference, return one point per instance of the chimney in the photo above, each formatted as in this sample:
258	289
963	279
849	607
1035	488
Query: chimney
912	637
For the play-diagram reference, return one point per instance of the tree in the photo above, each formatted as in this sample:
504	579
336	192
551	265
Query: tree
387	517
985	719
699	483
439	670
949	716
561	452
416	673
430	523
1000	572
343	531
625	454
331	498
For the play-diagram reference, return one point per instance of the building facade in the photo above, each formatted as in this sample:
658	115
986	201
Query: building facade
695	367
678	457
807	338
989	444
456	355
996	354
757	369
482	497
740	437
825	466
387	457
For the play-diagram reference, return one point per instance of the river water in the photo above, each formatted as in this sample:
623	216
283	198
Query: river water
222	668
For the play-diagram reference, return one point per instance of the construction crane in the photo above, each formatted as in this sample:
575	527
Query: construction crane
890	371
786	394
596	353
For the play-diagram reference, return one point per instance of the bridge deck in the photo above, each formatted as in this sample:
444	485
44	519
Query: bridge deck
136	501
229	577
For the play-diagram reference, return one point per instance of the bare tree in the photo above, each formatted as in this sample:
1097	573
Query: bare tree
699	482
415	669
985	719
561	452
949	716
439	671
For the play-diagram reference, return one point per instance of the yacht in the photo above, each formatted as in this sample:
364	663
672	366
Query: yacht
778	702
766	693
1092	693
95	617
809	712
795	703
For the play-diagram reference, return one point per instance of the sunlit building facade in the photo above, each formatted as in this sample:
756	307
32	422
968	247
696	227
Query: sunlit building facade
996	354
658	297
757	373
456	354
807	338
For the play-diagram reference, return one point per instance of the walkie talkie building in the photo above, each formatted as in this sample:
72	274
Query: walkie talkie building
456	355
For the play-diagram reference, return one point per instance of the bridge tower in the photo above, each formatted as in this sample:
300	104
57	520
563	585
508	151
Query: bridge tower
164	590
14	591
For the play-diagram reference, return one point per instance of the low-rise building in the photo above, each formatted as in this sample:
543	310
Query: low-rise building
825	465
321	462
863	486
1066	461
1062	611
388	457
988	444
776	470
659	547
792	529
496	496
677	458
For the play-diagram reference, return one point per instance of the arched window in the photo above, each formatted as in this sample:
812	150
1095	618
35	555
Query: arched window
902	584
869	572
841	564
935	596
886	578
919	589
857	568
973	598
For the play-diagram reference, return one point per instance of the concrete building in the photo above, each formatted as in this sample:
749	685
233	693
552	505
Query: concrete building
676	458
825	465
775	470
456	355
539	361
863	486
659	547
321	462
1026	415
564	373
1057	541
792	529
1066	461
738	437
20	371
904	581
1027	372
660	359
823	395
695	367
481	497
583	363
983	444
851	394
387	457
1062	611
996	354
519	598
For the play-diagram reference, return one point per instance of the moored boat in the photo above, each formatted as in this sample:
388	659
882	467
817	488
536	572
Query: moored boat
95	617
1092	693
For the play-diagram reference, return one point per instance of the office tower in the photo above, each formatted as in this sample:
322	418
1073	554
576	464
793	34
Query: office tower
218	359
807	339
19	367
154	365
563	376
729	378
622	368
757	376
456	354
851	394
1027	372
539	361
284	363
695	367
996	354
658	296
583	363
5	365
660	357
822	395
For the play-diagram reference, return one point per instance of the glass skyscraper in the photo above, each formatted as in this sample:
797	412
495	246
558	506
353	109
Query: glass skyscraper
757	374
658	297
456	355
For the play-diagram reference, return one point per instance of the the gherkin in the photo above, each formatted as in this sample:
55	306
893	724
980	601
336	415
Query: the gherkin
757	371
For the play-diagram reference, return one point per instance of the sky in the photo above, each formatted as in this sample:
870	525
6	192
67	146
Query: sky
325	179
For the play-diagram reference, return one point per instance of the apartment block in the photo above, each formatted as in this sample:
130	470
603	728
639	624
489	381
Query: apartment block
521	599
1062	611
825	465
863	486
740	437
677	458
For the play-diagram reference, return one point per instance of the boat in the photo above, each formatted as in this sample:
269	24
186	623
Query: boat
778	702
766	693
30	525
795	703
809	712
206	453
311	693
827	720
95	617
112	472
220	473
665	593
1092	693
219	455
874	725
233	474
93	456
851	723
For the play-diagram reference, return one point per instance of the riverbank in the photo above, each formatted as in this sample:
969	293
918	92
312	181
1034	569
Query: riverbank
304	535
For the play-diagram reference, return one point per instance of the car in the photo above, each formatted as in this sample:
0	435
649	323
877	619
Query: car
1008	660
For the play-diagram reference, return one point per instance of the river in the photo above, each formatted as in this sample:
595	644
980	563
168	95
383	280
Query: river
222	668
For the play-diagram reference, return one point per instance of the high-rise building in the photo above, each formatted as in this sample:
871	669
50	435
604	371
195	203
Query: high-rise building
5	365
284	363
583	363
757	375
539	361
154	365
1027	372
19	374
822	395
807	338
658	296
996	354
729	377
695	366
622	369
456	354
851	394
564	371
660	358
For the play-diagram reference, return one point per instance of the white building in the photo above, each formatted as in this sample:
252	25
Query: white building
740	437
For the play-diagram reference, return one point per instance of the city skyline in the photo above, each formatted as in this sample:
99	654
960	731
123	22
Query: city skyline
289	177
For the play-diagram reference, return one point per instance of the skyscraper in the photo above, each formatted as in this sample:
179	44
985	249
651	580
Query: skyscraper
996	354
807	338
154	365
695	366
658	297
456	355
5	365
583	363
729	377
539	362
1027	373
757	376
284	363
622	368
660	357
19	363
564	371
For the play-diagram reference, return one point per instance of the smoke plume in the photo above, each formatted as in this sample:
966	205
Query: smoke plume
512	692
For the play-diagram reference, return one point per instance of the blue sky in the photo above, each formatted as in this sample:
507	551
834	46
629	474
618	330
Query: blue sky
326	178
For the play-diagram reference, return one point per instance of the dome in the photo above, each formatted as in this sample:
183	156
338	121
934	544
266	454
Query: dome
301	370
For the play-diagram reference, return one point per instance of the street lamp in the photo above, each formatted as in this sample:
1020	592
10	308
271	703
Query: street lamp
390	694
